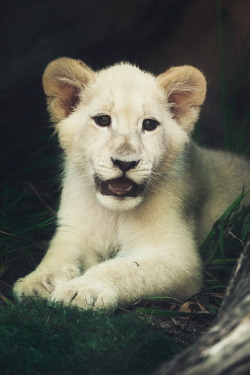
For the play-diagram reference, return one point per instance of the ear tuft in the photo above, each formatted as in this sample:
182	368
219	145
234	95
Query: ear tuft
63	81
185	89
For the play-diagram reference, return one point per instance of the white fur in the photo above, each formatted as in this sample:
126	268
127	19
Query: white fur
119	250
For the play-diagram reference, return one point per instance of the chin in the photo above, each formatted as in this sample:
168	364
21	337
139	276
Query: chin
119	203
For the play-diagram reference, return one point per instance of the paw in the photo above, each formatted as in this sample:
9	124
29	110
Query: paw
85	295
41	283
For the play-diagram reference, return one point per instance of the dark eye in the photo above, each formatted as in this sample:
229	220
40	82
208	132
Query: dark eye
102	120
149	124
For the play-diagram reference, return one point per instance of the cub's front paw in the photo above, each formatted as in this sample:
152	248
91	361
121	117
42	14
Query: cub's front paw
41	283
85	295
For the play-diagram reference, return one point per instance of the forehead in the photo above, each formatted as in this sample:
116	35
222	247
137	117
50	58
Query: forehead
126	76
124	86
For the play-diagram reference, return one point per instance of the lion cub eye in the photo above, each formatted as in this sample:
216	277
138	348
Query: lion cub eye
149	124
102	120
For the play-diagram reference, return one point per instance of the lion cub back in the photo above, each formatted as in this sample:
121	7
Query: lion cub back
220	178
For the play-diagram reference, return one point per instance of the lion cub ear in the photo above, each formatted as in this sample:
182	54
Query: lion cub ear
63	81
185	88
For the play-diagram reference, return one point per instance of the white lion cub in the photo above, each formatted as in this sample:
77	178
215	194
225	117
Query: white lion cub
138	195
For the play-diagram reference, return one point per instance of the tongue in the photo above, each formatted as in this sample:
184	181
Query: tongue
120	186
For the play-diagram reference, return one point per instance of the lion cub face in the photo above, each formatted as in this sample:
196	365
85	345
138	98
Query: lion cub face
119	135
122	128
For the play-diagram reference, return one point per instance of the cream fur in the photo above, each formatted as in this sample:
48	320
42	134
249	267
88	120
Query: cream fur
110	251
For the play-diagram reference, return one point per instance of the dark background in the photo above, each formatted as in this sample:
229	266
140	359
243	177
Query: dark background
212	35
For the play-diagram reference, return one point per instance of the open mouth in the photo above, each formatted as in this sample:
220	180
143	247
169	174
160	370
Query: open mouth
119	187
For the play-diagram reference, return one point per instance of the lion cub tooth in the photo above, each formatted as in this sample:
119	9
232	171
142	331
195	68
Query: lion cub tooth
117	190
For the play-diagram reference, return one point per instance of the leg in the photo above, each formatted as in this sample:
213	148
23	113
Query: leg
59	264
124	280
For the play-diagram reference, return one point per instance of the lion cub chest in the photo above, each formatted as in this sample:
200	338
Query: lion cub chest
109	234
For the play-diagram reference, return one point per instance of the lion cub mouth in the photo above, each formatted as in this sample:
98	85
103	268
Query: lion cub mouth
119	187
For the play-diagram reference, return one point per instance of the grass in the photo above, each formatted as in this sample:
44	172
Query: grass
41	339
224	243
28	195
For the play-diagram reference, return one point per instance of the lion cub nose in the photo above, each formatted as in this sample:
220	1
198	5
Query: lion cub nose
125	165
